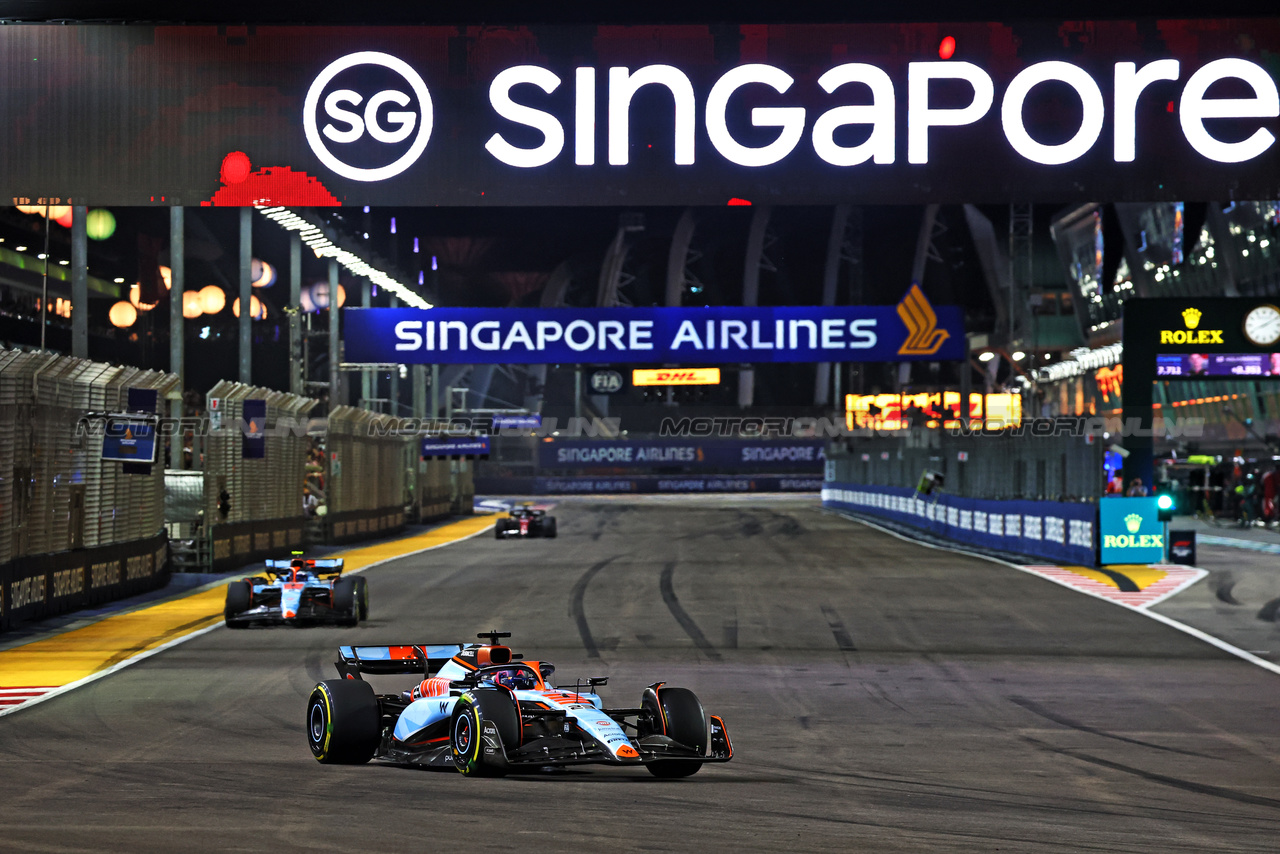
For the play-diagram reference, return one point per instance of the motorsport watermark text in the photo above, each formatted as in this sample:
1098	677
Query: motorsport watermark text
709	427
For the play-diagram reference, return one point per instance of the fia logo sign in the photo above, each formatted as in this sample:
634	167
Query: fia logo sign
362	135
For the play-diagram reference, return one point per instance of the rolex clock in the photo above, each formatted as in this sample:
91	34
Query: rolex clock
1262	325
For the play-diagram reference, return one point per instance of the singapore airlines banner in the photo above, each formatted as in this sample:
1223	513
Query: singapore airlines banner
717	335
518	115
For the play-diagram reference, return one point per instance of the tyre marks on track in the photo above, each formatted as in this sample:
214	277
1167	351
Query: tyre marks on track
578	611
844	640
1061	720
682	617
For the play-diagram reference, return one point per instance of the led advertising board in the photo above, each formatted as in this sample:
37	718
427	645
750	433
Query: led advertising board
129	439
1151	110
727	335
675	376
1130	531
455	446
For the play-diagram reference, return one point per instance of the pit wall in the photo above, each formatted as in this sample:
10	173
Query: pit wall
1063	532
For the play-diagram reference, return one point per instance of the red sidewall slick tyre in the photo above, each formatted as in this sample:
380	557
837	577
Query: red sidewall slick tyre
343	722
680	718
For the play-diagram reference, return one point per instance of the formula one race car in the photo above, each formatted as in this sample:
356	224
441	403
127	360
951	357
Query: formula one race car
298	591
487	712
526	521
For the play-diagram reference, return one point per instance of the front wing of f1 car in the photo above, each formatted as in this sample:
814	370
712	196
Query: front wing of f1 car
458	716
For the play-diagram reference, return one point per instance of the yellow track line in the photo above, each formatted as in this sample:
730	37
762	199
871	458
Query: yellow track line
81	653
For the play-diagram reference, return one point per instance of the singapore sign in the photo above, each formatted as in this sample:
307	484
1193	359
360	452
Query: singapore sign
1038	110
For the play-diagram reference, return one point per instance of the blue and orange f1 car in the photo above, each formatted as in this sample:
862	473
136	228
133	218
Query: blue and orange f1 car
297	591
486	711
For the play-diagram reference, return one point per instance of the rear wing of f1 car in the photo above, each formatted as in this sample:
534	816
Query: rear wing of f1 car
426	659
321	567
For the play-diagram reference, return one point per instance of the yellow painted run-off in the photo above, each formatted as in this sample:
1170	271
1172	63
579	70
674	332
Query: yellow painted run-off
51	663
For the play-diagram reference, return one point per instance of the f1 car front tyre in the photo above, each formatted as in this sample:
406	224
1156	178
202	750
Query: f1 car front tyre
678	714
346	602
239	596
499	528
478	713
343	722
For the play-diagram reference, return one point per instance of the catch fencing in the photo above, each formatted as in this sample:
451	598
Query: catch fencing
995	466
74	530
253	505
368	461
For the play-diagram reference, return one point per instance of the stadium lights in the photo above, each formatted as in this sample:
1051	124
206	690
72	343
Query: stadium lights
986	357
323	247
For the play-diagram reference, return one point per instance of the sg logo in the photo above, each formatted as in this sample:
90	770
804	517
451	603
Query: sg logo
345	123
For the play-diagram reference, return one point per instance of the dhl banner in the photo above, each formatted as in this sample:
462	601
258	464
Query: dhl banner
675	376
912	330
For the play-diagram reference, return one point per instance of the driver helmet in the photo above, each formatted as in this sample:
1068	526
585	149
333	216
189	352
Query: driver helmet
515	678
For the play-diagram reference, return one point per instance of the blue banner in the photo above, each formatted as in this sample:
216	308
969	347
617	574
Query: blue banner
744	455
253	442
644	484
716	335
129	440
461	446
1131	530
517	422
1055	530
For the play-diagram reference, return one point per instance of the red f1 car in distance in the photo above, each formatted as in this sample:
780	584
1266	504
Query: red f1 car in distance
526	521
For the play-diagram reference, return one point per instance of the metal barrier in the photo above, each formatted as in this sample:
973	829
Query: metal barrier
262	497
73	529
999	466
1054	530
368	460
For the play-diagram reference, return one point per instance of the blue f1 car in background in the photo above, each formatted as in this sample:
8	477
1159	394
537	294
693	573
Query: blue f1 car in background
295	592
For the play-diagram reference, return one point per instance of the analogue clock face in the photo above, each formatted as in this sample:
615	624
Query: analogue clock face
1262	325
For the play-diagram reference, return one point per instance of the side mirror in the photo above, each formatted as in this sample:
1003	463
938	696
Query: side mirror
596	681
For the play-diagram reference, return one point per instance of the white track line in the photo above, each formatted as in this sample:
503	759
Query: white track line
93	677
1160	618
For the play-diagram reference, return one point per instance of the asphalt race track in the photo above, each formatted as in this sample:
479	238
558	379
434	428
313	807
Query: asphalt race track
881	696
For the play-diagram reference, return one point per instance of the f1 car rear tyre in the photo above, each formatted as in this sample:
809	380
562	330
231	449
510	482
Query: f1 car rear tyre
680	718
472	756
362	597
345	602
239	596
343	722
549	526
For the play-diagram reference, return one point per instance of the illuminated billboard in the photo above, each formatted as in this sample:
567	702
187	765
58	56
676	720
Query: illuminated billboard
931	409
1152	111
676	376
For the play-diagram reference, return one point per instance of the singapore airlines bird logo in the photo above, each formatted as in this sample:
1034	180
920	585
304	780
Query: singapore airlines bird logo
924	338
